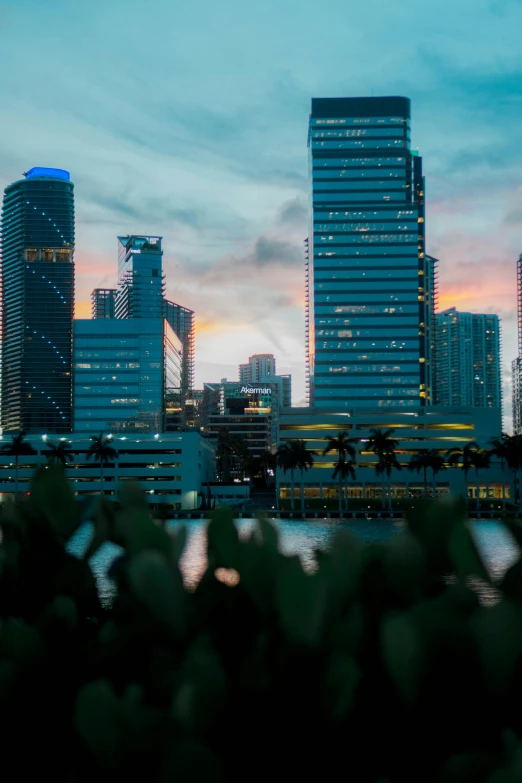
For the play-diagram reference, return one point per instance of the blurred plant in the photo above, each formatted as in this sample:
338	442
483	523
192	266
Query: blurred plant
382	645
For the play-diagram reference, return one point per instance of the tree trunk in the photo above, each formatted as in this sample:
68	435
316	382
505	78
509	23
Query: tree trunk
16	477
433	484
389	496
302	493
346	494
292	499
478	492
425	483
101	478
340	494
383	493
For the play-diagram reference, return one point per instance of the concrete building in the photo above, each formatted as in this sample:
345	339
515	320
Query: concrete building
103	303
369	296
37	290
468	359
171	469
126	371
261	368
428	428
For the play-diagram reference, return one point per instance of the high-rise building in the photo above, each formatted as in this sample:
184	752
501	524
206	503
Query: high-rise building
468	360
37	278
183	321
141	283
103	301
369	302
125	374
261	369
516	366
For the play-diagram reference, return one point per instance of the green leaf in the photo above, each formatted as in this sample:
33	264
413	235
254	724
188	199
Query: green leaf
464	554
201	691
498	633
223	539
52	497
301	601
404	565
159	586
137	529
98	720
403	653
341	679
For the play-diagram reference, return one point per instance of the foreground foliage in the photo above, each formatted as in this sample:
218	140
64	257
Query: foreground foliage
375	668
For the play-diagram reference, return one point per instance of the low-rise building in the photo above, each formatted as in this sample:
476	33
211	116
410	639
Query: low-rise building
442	429
172	468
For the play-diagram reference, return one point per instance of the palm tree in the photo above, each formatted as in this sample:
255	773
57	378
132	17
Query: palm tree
465	455
344	468
383	446
102	452
343	445
224	453
304	459
241	451
500	448
480	459
286	459
17	448
59	453
427	459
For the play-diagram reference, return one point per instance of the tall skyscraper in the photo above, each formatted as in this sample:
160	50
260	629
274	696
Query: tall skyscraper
369	302
516	365
103	303
141	284
37	276
183	322
468	361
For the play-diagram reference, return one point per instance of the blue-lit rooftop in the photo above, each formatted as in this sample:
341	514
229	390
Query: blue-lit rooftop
39	171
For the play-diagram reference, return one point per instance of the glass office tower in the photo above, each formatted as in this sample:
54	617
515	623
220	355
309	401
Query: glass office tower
468	359
124	373
103	303
516	364
183	321
141	283
37	277
369	297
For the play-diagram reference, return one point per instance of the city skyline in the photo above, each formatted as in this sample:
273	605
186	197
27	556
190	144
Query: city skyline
218	167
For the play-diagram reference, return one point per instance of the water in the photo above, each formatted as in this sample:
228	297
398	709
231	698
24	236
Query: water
302	538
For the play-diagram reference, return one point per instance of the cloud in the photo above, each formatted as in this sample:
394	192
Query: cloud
274	251
293	212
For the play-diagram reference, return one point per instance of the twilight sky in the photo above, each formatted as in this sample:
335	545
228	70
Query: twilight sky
189	120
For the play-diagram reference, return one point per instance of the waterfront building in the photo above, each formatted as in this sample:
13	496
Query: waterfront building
37	284
369	298
141	282
433	427
173	468
183	322
516	365
126	372
468	359
103	303
242	410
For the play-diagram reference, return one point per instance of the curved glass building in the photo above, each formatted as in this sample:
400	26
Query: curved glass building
37	278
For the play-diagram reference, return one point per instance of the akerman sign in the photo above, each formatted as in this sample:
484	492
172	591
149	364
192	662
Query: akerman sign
255	390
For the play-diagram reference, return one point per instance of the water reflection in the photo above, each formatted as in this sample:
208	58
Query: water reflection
303	538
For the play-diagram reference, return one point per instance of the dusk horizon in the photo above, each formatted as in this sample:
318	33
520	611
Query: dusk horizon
195	129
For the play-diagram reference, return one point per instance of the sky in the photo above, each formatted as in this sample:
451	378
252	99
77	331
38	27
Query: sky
189	121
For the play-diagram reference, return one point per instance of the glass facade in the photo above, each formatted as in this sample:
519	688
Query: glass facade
183	322
124	371
103	301
369	281
468	359
141	283
37	279
516	365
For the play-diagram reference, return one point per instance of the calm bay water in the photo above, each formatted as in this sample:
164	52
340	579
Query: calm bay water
302	538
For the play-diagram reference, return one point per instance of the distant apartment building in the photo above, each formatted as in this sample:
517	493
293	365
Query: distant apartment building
103	303
262	367
126	372
468	360
37	290
370	298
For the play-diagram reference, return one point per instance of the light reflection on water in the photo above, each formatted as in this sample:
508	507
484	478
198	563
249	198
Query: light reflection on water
302	538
